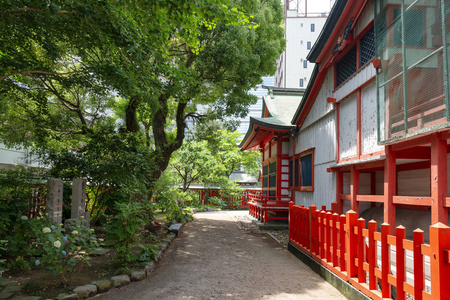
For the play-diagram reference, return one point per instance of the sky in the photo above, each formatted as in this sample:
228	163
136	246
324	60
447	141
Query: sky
315	6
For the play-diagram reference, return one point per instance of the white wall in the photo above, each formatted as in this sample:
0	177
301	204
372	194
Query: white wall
347	128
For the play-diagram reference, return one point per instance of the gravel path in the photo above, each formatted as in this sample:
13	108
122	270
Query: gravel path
214	259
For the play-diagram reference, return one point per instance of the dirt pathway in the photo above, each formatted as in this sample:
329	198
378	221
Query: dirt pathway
213	259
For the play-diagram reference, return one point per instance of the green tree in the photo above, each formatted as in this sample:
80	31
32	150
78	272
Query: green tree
63	64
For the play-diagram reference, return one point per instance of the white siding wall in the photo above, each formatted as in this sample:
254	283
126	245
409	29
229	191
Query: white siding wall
347	128
365	18
321	107
319	132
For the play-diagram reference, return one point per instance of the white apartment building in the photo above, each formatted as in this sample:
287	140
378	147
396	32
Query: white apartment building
303	22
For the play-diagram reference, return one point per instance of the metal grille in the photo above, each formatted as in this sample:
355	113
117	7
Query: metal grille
346	66
367	47
412	84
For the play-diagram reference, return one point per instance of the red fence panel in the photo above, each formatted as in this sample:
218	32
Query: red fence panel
347	248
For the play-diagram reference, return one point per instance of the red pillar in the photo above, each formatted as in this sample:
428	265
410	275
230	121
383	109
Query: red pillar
354	189
390	183
438	179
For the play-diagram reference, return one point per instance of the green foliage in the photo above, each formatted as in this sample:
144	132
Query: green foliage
178	214
42	242
148	252
16	185
129	218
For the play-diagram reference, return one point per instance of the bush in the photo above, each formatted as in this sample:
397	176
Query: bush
42	242
123	228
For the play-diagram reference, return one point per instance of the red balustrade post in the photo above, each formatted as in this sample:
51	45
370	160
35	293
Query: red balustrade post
419	278
342	242
440	261
322	234
291	220
334	233
324	207
361	223
351	241
307	229
385	262
328	234
301	225
400	261
313	228
372	255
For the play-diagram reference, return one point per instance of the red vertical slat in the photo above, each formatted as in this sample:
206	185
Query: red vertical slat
328	235
312	218
351	242
334	234
372	255
361	223
400	261
385	264
419	278
342	242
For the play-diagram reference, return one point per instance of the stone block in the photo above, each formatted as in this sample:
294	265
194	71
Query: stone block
85	291
103	285
6	295
54	200
13	288
70	297
120	280
6	282
149	268
175	228
138	275
78	199
27	298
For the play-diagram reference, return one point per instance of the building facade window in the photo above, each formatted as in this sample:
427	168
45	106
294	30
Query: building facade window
301	82
363	49
366	47
305	64
308	45
313	28
301	171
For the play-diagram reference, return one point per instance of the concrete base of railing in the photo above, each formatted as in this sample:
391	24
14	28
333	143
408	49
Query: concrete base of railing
344	287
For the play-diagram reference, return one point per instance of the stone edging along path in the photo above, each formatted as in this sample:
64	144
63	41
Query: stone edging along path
7	288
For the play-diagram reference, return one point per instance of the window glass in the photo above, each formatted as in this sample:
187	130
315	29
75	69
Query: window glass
308	45
301	82
305	63
306	170
313	27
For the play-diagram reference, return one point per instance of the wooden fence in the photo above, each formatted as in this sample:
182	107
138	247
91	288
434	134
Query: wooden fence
374	262
37	201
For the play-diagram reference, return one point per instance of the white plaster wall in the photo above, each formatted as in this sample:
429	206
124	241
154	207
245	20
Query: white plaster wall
320	106
285	147
369	143
347	130
274	149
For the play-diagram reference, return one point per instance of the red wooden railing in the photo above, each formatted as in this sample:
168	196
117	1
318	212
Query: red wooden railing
346	247
259	206
231	201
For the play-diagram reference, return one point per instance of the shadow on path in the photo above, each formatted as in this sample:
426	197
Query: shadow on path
213	259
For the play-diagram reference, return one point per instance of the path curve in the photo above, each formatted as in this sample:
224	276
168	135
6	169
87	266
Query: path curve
213	259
